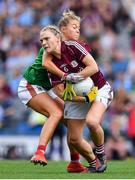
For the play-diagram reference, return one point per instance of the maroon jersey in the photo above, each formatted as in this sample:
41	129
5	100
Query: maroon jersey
72	54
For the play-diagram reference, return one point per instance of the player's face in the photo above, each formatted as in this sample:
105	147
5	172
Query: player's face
72	30
49	41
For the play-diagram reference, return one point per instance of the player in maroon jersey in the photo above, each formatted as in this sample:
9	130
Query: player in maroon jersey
75	63
74	165
70	25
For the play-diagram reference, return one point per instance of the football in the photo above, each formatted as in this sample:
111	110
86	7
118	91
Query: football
83	87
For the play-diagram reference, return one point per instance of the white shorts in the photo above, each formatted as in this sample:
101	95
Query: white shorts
75	110
26	91
105	95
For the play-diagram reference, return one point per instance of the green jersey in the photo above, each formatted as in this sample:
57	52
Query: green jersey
36	74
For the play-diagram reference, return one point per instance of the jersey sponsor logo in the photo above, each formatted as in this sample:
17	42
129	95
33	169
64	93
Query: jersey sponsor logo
74	64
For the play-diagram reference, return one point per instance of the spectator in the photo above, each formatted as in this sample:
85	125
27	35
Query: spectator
131	129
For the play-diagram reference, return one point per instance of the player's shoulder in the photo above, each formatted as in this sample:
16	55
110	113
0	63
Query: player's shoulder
77	43
71	42
77	46
74	44
86	45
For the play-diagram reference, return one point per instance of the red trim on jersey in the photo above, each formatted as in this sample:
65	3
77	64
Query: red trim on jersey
31	89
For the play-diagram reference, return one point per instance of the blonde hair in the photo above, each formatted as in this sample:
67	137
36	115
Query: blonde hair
66	17
54	29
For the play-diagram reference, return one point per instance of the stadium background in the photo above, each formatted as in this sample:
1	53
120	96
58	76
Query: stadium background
109	27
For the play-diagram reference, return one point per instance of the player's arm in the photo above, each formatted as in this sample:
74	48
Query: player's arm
91	66
50	66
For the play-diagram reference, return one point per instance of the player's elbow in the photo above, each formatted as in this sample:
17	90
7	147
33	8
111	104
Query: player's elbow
95	69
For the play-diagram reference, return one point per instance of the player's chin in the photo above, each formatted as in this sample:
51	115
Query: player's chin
47	50
76	38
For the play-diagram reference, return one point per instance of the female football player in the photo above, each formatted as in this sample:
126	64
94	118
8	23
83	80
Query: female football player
33	91
75	63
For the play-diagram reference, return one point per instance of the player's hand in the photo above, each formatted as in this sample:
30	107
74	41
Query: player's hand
72	77
90	97
68	92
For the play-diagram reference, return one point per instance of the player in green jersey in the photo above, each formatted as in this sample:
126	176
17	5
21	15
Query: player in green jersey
36	74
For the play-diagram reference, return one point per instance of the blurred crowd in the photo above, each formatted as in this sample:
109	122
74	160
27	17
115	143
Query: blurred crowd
107	25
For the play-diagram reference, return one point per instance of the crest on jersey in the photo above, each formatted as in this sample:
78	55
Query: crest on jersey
74	63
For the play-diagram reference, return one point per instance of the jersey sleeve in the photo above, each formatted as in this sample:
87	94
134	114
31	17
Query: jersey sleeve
79	49
87	46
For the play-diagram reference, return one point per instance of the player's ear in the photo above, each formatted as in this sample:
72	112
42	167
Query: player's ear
63	29
59	38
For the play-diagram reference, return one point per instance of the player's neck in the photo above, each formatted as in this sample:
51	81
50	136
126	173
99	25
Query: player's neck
57	52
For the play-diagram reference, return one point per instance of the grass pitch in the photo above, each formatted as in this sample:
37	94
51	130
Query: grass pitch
23	169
